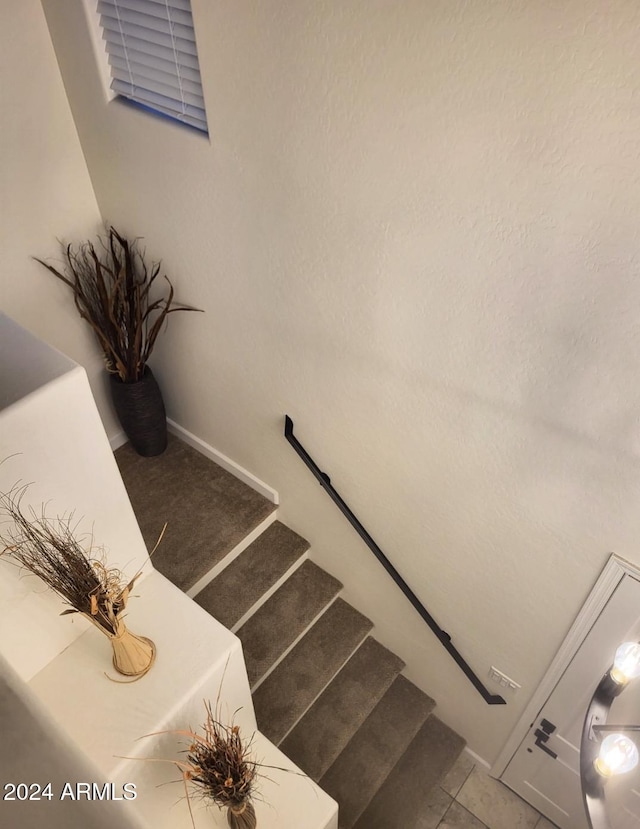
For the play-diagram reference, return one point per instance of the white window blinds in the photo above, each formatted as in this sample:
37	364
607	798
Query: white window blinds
152	54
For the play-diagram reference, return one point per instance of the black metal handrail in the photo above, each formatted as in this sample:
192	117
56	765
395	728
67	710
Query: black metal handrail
443	636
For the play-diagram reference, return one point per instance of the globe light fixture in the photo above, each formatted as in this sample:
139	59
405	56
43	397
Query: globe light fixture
606	750
618	755
626	665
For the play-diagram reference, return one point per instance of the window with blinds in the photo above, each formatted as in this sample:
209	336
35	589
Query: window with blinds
152	54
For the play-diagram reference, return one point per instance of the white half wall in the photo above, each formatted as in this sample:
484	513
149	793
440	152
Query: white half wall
52	442
34	749
413	229
47	194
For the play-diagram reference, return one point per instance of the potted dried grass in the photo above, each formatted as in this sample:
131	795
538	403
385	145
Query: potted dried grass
112	286
48	548
219	768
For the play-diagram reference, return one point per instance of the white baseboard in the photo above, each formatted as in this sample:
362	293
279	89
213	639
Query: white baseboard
479	761
226	463
117	440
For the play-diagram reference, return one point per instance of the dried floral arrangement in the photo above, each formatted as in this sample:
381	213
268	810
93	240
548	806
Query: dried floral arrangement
219	768
111	285
49	549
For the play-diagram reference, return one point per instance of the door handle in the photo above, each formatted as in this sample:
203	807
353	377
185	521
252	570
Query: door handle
541	739
542	735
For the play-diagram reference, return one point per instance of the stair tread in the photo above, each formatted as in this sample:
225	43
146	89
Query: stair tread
375	748
331	722
365	737
404	796
294	684
268	633
207	509
240	585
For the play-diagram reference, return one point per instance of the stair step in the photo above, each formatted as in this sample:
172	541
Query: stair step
405	794
328	693
280	621
375	749
250	576
295	683
341	709
208	511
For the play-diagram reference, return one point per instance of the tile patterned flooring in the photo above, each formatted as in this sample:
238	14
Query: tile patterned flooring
468	798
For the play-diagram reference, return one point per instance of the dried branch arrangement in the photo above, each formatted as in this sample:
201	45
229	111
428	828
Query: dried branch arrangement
49	549
219	767
111	285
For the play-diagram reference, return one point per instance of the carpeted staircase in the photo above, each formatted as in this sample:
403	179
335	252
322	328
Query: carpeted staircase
324	690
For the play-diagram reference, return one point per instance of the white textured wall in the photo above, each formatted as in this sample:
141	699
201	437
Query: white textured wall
46	192
415	229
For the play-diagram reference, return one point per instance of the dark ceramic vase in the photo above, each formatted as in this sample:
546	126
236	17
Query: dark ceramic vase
140	409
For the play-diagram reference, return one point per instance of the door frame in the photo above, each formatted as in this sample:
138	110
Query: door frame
614	571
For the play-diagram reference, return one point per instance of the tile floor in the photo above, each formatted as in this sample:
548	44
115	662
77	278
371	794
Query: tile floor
468	798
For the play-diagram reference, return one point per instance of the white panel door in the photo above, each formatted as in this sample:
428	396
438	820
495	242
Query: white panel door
552	783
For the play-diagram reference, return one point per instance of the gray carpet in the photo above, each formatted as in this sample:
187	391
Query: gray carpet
243	582
376	748
336	715
301	676
404	796
335	702
281	620
208	510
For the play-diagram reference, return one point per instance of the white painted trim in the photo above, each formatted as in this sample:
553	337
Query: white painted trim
479	761
614	571
95	31
226	463
296	641
240	547
329	681
117	440
264	598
